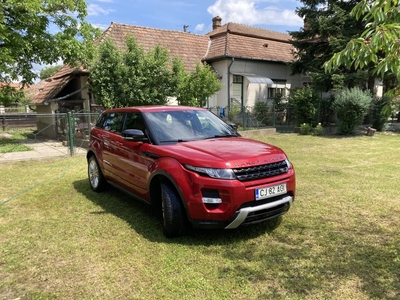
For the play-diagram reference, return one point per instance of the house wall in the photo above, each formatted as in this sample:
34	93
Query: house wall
253	92
85	93
46	119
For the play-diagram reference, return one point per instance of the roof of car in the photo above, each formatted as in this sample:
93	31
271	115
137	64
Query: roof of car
154	108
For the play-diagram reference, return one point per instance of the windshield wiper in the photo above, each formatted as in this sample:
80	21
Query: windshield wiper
221	136
173	141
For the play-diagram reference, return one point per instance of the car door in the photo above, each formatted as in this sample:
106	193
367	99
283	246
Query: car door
133	163
111	137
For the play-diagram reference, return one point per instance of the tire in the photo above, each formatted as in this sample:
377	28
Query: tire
174	217
96	178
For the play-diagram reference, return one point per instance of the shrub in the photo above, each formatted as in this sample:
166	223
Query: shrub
319	130
305	129
351	106
305	101
261	112
378	118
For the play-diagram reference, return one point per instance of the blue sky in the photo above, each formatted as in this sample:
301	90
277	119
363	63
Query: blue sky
275	15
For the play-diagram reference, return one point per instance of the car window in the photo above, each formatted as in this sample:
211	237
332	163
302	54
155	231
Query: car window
134	121
113	122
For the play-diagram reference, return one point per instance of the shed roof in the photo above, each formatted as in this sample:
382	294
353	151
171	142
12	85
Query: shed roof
48	88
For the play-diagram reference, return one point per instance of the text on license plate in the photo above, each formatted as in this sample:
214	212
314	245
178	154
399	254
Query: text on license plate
270	191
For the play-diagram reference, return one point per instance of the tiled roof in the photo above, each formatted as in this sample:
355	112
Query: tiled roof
49	88
191	48
248	42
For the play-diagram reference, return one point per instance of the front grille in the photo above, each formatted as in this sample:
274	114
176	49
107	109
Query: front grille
263	171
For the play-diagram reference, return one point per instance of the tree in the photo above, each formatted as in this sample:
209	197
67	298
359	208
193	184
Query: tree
26	37
198	86
106	81
48	71
328	26
9	94
378	44
305	102
135	77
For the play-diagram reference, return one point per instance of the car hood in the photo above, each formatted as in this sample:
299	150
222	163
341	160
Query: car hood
232	152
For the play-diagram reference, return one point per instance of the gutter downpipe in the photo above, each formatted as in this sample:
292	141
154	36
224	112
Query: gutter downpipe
229	84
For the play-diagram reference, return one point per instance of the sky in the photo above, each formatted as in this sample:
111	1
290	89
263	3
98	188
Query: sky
277	15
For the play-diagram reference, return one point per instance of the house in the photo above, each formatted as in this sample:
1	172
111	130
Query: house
251	63
66	90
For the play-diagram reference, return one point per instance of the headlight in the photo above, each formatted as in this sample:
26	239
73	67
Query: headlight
289	165
213	173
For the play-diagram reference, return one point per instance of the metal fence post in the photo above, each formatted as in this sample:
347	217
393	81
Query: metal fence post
71	132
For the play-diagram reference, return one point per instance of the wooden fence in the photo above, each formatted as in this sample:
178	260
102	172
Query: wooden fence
8	121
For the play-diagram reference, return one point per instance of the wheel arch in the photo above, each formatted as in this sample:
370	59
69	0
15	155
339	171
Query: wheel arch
154	189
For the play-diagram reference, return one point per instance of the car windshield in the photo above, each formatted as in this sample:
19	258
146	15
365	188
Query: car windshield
187	125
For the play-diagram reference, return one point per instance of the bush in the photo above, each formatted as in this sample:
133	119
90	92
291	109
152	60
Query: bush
319	130
378	118
351	106
305	102
261	112
305	129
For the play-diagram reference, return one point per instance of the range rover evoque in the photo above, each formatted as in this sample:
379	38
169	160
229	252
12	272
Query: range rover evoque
192	166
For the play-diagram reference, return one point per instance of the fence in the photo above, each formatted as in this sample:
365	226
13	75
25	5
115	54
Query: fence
281	117
66	129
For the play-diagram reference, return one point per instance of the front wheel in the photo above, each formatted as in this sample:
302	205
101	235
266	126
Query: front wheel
174	219
96	179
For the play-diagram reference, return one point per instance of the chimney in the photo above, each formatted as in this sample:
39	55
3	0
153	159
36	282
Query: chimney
216	22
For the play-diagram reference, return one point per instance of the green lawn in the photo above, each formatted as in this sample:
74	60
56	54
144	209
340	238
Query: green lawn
340	240
9	141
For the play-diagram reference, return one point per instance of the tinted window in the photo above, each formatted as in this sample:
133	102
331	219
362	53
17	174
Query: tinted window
112	122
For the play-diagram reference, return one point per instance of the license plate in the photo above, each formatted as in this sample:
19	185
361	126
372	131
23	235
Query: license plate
270	191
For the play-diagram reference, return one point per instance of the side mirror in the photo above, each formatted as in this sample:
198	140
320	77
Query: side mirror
134	135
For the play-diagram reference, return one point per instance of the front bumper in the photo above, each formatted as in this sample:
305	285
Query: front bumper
261	212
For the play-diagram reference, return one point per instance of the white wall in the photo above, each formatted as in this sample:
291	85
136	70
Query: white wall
252	92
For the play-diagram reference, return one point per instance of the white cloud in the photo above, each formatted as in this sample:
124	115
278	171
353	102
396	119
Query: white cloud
101	26
199	27
255	12
96	10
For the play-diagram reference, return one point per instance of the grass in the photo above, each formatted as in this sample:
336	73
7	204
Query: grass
9	141
340	240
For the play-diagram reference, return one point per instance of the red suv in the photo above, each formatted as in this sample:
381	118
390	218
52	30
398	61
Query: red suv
196	169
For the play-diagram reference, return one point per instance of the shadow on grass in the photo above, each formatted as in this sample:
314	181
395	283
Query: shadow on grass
144	221
299	261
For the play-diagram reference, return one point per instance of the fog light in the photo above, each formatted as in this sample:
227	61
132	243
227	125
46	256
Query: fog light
208	200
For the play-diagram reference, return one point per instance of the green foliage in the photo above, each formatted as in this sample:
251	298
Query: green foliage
106	81
327	29
351	106
196	87
305	129
135	77
47	72
379	118
10	94
305	102
377	45
234	111
318	130
261	110
26	38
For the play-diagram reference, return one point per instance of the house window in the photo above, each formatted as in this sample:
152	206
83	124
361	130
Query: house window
275	92
237	79
278	89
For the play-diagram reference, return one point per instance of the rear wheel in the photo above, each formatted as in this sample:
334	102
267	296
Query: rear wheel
96	178
174	218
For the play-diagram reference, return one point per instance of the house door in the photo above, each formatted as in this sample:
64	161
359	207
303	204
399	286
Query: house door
237	90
